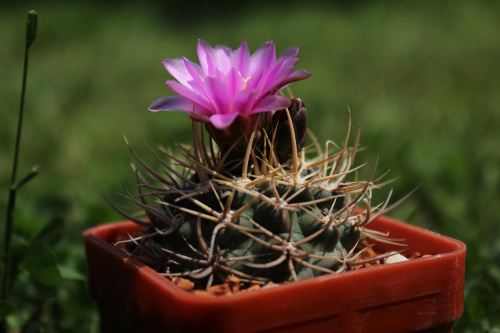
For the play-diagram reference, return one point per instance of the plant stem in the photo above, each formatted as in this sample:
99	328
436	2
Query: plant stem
31	27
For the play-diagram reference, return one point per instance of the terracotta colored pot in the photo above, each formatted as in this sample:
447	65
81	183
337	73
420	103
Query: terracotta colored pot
419	295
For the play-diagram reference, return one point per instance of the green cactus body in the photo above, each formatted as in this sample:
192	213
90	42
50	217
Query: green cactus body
280	217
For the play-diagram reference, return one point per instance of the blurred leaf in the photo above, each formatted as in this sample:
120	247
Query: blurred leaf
2	272
41	263
18	250
486	327
68	273
495	273
5	309
32	327
471	284
51	233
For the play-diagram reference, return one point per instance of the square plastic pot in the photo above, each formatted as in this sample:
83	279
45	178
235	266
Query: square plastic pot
418	295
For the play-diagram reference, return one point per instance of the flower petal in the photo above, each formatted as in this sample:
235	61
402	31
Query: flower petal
240	59
294	77
195	96
177	68
280	73
244	100
272	102
199	118
263	58
261	63
284	67
196	72
222	55
198	109
171	103
218	93
206	54
290	52
179	103
234	81
222	121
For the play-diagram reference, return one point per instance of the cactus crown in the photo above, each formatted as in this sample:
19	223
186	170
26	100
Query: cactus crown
252	200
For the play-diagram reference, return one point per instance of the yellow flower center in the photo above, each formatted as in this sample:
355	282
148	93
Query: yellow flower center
245	81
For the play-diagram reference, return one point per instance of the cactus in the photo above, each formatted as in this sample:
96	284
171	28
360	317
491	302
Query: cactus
261	206
277	221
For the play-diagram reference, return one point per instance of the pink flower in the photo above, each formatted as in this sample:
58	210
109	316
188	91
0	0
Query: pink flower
230	83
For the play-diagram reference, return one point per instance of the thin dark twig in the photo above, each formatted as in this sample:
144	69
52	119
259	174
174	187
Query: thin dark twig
31	27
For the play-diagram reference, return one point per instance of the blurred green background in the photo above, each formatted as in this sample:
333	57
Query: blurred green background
421	78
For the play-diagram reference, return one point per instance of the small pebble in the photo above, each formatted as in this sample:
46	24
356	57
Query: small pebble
395	258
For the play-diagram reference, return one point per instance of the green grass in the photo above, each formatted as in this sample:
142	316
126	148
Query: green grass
420	78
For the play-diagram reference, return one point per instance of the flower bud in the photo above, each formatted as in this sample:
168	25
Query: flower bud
31	27
284	141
